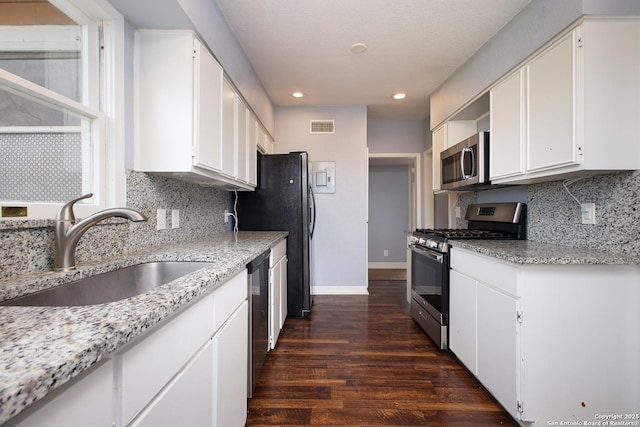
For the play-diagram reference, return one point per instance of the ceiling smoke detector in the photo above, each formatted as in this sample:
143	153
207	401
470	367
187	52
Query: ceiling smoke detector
358	47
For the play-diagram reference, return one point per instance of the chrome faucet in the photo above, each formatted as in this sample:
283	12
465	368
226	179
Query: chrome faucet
68	231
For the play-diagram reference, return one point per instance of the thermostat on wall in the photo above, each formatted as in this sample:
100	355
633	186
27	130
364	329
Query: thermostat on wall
323	177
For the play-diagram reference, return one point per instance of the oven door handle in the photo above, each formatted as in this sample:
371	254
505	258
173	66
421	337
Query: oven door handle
429	254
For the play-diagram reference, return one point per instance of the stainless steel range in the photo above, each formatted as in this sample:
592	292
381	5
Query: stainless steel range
430	260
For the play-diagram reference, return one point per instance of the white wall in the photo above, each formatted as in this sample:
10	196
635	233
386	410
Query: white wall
339	245
389	220
395	136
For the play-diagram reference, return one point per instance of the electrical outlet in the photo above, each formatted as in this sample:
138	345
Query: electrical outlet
386	252
457	211
226	216
588	213
161	222
175	218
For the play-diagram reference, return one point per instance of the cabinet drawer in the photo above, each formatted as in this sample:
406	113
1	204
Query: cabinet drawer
228	297
188	399
147	367
277	252
85	401
496	273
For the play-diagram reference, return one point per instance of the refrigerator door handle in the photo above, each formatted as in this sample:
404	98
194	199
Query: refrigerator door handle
312	208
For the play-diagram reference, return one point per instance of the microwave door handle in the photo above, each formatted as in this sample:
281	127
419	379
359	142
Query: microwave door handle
473	161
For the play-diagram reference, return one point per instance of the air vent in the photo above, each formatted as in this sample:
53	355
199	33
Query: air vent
322	127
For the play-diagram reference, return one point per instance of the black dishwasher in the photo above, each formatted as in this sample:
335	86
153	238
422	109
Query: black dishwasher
258	271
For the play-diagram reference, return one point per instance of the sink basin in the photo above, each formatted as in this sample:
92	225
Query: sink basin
111	286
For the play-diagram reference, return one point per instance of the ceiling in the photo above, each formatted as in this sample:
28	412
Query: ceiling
413	46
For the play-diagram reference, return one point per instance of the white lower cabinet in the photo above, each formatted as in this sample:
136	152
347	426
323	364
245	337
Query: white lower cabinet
552	343
483	334
498	362
143	371
193	369
277	291
187	399
190	369
462	319
87	402
230	346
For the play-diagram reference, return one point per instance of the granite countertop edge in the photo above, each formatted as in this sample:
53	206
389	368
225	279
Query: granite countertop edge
44	347
527	252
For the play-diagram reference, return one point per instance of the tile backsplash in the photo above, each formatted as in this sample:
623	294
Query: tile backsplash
29	249
555	217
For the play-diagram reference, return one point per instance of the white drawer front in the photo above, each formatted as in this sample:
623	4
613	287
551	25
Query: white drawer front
228	297
277	252
493	272
148	366
188	400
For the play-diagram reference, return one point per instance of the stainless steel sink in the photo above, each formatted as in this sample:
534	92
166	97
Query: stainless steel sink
111	286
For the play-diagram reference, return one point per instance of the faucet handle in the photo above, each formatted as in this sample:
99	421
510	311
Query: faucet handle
66	212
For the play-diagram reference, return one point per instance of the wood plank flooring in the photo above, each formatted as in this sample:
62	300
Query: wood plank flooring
362	361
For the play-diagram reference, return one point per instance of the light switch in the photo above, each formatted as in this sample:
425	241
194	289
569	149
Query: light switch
321	179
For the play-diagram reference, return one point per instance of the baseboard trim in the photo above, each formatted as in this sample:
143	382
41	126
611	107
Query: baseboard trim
385	265
339	290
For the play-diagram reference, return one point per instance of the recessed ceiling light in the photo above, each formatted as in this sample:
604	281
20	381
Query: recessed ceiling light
358	47
399	95
298	94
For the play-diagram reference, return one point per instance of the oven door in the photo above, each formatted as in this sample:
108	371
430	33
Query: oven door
430	282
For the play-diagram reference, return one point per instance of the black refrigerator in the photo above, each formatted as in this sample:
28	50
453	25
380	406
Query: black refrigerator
283	201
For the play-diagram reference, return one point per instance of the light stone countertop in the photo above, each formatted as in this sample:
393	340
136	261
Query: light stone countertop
538	253
42	348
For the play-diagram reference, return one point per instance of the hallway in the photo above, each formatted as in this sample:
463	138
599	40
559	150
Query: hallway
361	360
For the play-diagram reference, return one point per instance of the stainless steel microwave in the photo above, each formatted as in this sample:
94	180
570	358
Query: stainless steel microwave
466	164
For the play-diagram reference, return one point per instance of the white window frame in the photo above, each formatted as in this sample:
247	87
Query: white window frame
103	101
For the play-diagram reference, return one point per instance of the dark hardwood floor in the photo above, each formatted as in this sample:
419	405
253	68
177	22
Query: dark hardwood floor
362	361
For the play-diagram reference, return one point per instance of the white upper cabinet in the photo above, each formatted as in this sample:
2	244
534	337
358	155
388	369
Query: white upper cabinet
507	127
550	103
242	114
252	148
239	151
207	109
572	109
265	143
229	131
185	118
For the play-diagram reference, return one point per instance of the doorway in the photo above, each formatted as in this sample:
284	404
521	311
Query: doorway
395	207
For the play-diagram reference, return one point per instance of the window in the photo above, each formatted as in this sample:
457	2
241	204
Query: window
58	95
